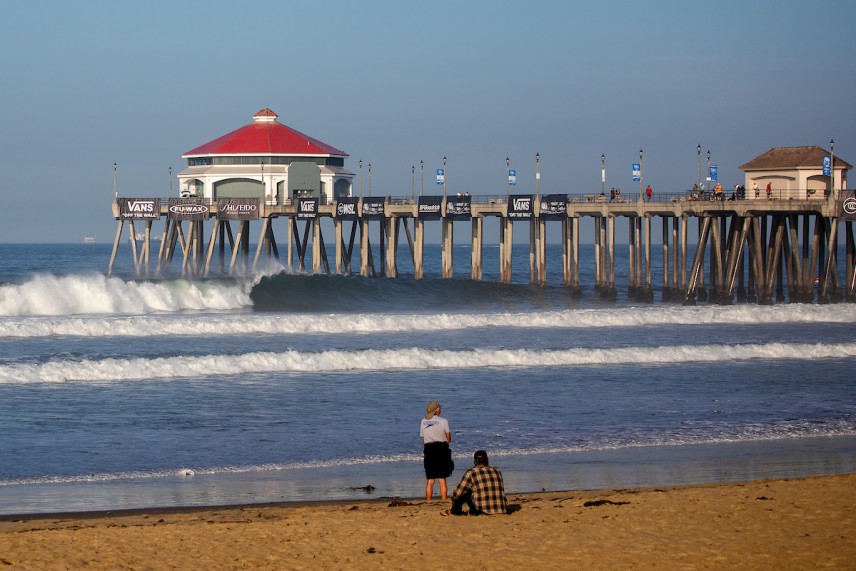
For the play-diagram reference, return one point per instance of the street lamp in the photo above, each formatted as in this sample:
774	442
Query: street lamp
602	174
445	176
370	179
361	179
115	189
507	182
708	171
698	150
537	175
422	176
170	182
412	182
832	167
641	176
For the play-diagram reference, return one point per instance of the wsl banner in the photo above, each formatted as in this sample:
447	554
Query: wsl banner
238	209
373	208
430	207
554	207
847	206
346	208
459	208
520	207
139	208
187	209
307	208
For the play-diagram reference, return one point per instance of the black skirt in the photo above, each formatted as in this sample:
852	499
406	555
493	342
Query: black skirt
438	460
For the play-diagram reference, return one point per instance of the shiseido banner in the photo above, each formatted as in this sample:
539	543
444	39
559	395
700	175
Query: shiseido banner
429	207
520	206
554	206
139	208
459	208
307	208
238	208
373	208
847	207
187	209
346	208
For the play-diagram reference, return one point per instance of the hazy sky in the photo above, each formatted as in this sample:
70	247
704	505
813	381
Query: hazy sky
89	83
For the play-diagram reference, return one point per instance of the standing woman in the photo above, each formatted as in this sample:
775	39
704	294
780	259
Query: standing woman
438	456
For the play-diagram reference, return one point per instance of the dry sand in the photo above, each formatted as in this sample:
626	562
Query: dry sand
807	523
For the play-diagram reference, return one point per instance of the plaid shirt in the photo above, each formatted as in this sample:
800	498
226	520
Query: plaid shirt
488	490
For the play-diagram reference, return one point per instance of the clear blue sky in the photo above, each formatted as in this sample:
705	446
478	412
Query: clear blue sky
87	84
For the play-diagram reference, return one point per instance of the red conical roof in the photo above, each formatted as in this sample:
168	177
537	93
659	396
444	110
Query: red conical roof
265	136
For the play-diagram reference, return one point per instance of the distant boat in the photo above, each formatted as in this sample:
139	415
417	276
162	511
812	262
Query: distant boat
87	239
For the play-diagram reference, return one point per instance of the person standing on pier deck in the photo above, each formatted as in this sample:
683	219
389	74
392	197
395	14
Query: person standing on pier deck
649	193
438	456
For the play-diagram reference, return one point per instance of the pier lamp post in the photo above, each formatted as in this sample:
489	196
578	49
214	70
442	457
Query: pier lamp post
698	150
602	174
422	176
832	168
708	172
537	175
445	177
412	182
507	182
361	179
370	179
115	188
170	181
641	176
264	194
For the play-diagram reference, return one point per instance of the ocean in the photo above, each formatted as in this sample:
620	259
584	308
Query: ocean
123	392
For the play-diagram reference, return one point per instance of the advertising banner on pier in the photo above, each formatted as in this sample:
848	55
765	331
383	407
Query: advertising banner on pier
520	206
554	206
459	208
238	209
429	207
346	208
373	208
139	208
847	206
307	208
187	209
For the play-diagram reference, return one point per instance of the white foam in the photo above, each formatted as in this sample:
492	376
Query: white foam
140	369
185	295
53	295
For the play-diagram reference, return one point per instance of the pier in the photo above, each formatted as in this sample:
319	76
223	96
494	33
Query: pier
784	248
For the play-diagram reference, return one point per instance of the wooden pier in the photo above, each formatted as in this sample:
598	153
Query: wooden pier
751	250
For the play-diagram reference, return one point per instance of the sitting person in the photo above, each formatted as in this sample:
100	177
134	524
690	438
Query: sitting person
481	489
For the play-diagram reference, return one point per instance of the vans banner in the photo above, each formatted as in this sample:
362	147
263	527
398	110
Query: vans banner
307	208
520	206
238	208
139	208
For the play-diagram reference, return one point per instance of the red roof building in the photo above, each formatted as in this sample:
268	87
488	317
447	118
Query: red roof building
794	173
265	159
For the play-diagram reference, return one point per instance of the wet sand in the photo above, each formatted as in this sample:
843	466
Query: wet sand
769	524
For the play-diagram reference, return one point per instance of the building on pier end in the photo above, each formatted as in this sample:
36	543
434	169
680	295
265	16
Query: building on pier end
794	173
268	161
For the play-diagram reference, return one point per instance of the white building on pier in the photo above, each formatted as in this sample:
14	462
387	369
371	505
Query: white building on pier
265	160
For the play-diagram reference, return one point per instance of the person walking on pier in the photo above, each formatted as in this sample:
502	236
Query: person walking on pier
649	193
757	190
717	192
438	456
769	190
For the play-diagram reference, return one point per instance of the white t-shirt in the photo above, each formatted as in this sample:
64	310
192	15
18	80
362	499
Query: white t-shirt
434	430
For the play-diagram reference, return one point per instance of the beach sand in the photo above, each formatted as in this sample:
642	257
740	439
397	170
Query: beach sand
805	523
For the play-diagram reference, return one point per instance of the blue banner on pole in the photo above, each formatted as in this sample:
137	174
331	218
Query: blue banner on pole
512	177
714	177
637	172
827	165
441	176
